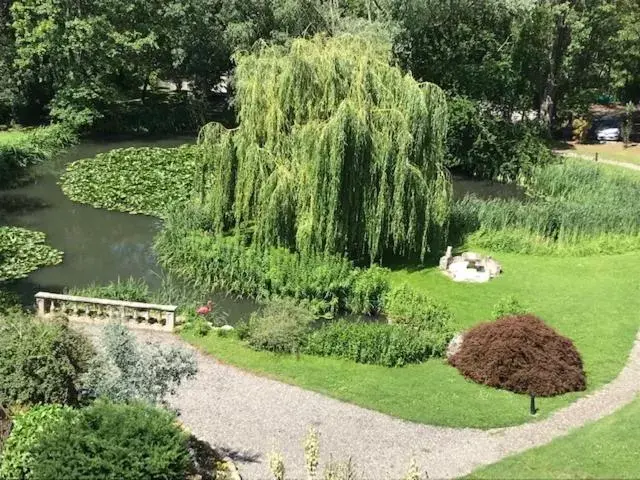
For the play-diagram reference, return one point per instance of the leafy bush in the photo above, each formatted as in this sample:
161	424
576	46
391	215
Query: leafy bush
508	306
280	326
405	306
125	370
30	147
374	343
106	440
9	301
135	180
40	362
16	459
23	251
131	290
483	145
368	291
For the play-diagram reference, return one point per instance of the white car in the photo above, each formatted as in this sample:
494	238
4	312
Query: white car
608	134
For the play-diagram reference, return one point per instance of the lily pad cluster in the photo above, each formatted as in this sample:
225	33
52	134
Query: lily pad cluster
134	180
22	251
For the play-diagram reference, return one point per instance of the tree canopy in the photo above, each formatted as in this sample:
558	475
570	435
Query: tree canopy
337	151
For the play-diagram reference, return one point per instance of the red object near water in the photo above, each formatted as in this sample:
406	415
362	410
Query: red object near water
206	309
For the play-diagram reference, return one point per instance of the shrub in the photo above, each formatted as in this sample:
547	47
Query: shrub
40	362
125	370
375	343
508	306
368	291
483	145
521	354
405	306
16	459
280	326
9	301
23	251
105	440
131	290
135	180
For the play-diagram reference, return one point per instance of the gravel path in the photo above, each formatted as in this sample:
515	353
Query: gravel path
245	416
630	166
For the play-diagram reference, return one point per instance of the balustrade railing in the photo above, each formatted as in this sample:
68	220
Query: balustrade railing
147	316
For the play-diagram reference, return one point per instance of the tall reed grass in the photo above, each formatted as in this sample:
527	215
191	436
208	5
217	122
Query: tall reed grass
573	208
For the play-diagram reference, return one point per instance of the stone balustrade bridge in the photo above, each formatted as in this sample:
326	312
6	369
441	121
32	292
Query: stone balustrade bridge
142	316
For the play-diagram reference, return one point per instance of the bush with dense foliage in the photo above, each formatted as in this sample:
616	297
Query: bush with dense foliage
135	180
481	144
376	343
229	264
573	208
408	307
40	362
22	251
507	306
29	427
126	370
522	354
104	440
29	148
281	326
369	290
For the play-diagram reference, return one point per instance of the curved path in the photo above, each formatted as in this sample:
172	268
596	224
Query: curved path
245	416
630	166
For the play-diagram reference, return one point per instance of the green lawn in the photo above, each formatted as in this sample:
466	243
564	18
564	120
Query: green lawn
605	449
608	151
593	300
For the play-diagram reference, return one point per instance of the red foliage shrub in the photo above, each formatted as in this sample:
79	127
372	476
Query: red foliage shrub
522	354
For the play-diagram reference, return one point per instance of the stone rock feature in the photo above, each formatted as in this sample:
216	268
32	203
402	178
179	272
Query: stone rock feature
469	267
454	345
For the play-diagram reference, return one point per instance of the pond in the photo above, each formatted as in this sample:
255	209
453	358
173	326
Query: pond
101	246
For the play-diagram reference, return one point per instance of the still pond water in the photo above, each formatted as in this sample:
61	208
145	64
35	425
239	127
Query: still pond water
101	246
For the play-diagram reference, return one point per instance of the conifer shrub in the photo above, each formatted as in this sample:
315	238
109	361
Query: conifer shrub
109	440
40	362
520	353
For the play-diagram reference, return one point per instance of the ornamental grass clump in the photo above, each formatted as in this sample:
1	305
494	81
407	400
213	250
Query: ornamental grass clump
337	152
520	353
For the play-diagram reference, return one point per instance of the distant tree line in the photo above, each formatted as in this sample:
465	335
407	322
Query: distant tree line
81	60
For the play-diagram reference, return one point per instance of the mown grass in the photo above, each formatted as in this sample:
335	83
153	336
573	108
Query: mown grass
607	448
593	300
614	151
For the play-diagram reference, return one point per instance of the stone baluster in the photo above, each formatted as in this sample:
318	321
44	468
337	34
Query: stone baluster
41	306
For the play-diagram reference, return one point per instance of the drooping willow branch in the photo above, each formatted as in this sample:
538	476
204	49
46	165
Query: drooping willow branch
337	151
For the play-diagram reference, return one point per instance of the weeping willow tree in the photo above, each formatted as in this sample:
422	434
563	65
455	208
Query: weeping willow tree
337	151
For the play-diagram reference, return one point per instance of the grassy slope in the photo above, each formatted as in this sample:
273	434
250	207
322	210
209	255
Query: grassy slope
593	300
605	449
